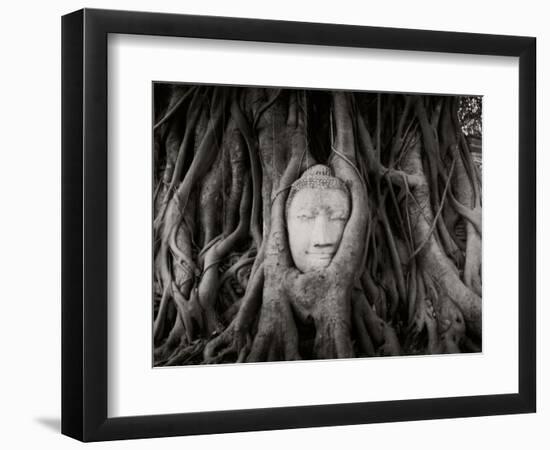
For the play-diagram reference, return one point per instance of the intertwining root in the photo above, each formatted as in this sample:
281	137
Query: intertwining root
407	276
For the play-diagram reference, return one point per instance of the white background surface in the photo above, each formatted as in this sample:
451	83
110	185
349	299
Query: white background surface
135	389
30	234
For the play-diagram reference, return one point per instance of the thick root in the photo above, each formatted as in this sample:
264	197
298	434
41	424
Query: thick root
277	335
432	259
233	344
235	339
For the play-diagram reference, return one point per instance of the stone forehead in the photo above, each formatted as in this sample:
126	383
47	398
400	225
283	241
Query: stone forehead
315	198
316	177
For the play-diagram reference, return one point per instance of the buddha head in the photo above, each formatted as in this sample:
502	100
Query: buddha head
317	210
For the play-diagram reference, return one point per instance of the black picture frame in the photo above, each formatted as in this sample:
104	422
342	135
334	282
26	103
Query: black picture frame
84	224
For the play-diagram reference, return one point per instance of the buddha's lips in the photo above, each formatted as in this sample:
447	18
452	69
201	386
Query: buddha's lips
321	255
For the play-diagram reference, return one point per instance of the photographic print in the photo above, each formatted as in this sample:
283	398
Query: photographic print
301	224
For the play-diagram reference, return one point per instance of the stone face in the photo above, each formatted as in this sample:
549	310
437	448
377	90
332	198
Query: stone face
316	218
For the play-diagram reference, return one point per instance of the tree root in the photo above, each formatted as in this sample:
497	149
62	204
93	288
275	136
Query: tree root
467	197
277	335
381	335
431	258
191	354
235	339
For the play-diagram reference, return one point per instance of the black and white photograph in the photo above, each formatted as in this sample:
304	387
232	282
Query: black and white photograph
308	224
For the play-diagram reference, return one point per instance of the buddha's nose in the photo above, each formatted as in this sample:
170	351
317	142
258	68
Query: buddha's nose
320	236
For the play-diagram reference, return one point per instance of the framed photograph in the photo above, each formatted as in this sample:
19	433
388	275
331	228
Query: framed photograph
273	224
